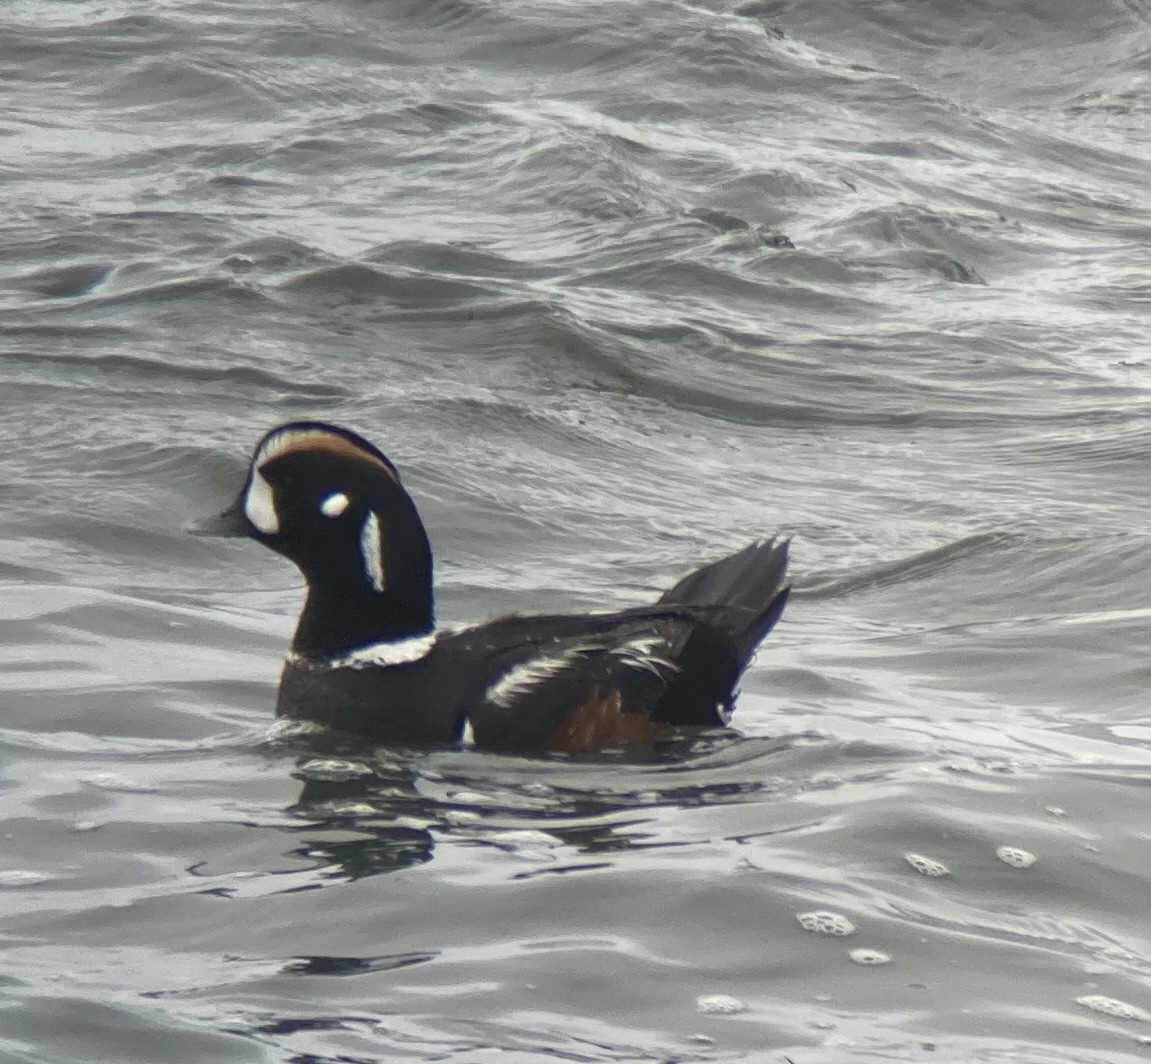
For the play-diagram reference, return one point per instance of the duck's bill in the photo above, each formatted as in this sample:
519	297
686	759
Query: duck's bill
230	523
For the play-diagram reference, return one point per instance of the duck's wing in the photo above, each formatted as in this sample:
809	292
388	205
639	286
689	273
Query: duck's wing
580	684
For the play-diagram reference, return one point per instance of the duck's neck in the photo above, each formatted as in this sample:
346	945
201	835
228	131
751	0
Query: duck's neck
378	590
334	625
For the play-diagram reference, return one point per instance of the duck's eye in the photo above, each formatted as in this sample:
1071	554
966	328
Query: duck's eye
334	505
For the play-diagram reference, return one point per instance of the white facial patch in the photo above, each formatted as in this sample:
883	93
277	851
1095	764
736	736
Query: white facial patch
371	550
260	504
334	505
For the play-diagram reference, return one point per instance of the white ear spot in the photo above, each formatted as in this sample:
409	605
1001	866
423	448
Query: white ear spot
334	505
260	505
371	550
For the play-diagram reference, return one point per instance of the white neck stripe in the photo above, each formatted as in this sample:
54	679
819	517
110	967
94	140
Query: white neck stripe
379	655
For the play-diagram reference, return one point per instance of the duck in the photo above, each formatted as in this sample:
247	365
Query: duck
367	657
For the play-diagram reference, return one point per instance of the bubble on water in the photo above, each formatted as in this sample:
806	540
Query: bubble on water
110	781
526	843
350	807
542	856
1054	810
927	866
869	956
1110	1006
719	1005
333	769
86	825
24	877
1017	858
538	790
285	728
826	923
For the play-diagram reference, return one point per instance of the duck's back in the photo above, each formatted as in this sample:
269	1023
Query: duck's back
572	683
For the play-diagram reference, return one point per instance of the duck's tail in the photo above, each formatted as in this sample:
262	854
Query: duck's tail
746	589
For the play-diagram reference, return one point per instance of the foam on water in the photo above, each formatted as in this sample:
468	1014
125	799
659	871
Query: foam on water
1121	1010
1015	857
826	923
927	866
719	1005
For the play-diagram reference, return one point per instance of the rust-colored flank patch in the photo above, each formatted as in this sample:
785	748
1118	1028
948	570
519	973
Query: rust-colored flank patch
325	442
600	722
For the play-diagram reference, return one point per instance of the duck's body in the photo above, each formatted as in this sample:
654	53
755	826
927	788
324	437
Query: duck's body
366	658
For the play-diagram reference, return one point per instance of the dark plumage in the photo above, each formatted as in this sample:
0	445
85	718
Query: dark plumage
366	658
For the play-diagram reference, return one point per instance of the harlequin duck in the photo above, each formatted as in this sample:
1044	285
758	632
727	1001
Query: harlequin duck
366	657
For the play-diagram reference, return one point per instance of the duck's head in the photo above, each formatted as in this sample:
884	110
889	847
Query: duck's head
328	500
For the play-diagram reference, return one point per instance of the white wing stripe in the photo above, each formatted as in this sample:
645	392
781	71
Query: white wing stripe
520	680
658	667
640	654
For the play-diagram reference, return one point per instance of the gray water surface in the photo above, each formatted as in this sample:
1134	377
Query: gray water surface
618	286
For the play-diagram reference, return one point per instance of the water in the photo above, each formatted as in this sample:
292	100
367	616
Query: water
618	287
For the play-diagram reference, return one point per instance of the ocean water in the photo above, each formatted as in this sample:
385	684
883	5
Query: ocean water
619	286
